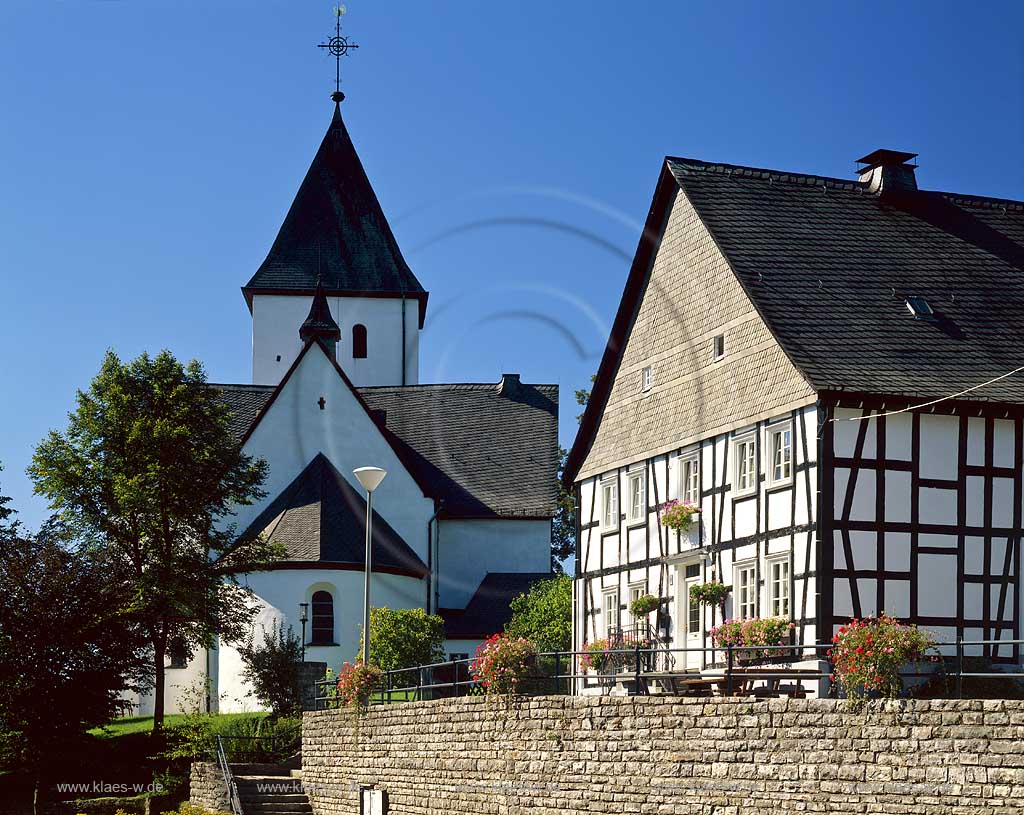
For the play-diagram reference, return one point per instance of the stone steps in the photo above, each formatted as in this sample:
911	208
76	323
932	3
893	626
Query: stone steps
271	789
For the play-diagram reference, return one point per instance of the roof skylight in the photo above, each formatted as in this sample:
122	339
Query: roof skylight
919	307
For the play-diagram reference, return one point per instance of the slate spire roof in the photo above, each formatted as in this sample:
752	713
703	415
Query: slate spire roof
321	518
319	323
336	227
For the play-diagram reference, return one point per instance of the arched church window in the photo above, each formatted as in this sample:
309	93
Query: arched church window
323	618
359	341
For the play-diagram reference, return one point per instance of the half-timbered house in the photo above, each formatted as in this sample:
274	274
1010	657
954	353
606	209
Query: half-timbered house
830	370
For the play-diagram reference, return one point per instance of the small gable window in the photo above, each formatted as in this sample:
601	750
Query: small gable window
323	618
919	307
359	341
718	347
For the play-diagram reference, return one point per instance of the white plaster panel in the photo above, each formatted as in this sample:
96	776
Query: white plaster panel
897	551
842	600
974	555
936	585
937	506
897	496
846	432
973	600
975	500
746	518
976	441
780	508
897	598
1002	502
868	594
1003	446
898	437
939	436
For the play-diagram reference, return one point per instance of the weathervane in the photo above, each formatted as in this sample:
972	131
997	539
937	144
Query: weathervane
338	46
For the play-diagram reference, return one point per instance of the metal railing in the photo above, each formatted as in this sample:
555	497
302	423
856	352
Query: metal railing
229	780
273	747
730	670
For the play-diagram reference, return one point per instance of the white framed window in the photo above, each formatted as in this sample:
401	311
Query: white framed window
611	613
610	503
646	378
778	586
745	590
718	347
689	479
744	464
780	448
637	506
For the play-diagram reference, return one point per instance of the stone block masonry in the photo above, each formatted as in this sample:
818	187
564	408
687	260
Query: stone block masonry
206	787
560	755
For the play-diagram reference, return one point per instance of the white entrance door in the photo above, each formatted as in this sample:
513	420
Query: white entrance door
690	618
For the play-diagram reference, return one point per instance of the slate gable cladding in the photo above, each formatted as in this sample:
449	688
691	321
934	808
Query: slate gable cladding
690	296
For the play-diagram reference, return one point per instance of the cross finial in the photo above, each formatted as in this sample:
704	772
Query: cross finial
338	46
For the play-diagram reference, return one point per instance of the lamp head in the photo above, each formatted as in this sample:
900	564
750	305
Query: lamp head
304	614
369	477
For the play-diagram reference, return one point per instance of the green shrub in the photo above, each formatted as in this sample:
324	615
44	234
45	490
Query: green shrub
544	614
273	668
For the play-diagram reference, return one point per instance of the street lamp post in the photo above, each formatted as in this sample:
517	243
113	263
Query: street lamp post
303	618
370	478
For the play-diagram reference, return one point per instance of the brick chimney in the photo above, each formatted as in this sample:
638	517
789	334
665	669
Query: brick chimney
509	385
888	171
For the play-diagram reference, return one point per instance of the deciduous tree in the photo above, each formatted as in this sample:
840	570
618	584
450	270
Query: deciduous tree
149	473
67	653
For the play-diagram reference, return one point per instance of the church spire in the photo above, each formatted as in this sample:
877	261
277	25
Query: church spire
320	324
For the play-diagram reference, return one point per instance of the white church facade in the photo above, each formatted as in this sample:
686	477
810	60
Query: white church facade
462	521
820	365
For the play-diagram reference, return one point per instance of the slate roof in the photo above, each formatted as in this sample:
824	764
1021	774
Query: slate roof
320	517
483	454
486	454
245	403
828	266
488	610
335	227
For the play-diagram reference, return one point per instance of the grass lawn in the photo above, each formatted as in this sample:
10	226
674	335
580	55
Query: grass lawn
144	724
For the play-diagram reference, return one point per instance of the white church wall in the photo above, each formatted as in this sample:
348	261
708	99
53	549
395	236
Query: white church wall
275	337
279	594
295	430
469	549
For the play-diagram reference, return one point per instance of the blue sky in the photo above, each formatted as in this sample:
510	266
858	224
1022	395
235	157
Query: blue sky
150	151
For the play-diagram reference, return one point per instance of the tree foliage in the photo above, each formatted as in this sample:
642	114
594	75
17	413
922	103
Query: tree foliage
149	473
563	525
67	651
404	638
544	614
273	668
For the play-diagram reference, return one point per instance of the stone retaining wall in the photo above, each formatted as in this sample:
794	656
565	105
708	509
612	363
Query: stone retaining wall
561	755
206	787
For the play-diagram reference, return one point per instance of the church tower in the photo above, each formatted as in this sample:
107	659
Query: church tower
335	242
